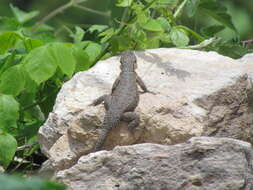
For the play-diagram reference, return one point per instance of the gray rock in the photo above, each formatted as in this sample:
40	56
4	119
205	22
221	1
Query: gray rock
197	93
202	163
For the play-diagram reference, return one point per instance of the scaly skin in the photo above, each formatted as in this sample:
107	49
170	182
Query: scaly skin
123	100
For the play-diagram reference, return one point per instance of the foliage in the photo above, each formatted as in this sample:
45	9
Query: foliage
34	62
15	182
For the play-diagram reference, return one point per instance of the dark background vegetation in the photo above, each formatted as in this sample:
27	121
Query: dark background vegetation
240	10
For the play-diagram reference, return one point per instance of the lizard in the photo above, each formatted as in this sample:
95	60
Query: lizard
124	98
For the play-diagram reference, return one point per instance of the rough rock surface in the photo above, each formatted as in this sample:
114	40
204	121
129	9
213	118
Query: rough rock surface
197	93
202	163
247	59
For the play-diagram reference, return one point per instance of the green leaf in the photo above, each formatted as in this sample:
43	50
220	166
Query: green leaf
40	64
30	85
179	37
92	49
124	3
120	43
153	25
142	18
9	23
232	50
107	34
191	7
8	40
29	130
8	146
79	34
212	30
98	28
82	59
216	10
63	57
31	43
34	113
9	112
23	16
152	43
140	38
12	81
8	61
165	38
164	23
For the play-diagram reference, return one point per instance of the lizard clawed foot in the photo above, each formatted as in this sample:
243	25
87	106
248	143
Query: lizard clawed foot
151	92
132	126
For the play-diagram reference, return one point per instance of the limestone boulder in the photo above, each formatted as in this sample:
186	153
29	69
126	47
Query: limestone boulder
201	163
195	93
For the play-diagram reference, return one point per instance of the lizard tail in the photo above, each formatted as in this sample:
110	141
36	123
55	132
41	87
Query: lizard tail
111	120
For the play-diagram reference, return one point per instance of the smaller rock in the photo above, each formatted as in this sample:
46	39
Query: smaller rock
201	163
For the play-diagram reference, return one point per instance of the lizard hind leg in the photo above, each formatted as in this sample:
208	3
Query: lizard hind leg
133	119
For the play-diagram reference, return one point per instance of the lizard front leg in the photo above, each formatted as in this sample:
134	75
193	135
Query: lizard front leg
115	84
142	85
99	100
133	119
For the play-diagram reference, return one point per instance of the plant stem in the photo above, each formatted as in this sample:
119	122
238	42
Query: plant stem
195	34
180	8
123	18
27	146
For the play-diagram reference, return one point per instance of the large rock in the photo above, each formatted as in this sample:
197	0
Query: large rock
202	163
197	93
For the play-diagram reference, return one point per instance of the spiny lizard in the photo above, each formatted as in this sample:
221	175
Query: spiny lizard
123	100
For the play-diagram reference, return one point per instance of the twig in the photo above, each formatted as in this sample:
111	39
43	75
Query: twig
27	146
247	41
53	13
71	3
18	165
92	10
22	160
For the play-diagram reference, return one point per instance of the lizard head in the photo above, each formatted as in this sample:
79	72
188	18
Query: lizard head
128	61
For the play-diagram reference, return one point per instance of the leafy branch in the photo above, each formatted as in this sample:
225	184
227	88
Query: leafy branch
121	29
